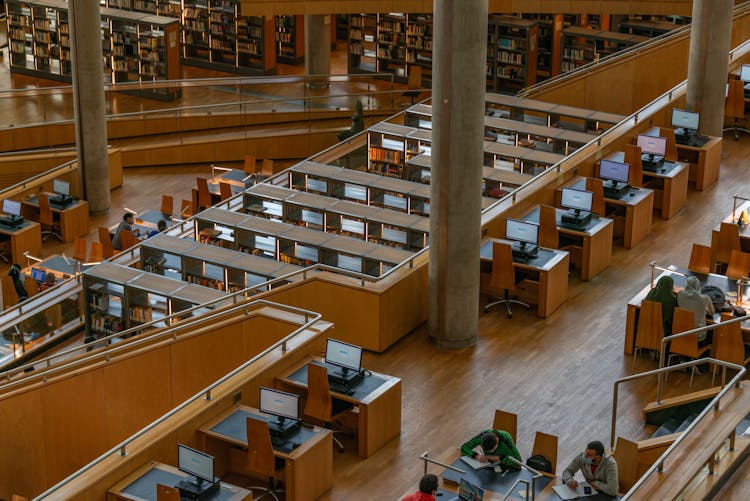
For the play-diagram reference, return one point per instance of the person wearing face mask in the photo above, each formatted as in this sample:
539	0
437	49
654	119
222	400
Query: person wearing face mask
599	470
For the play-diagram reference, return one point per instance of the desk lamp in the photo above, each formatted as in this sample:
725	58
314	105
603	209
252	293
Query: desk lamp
214	168
654	267
744	219
32	258
131	211
741	283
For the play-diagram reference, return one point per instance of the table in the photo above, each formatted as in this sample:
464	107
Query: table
235	177
74	219
150	219
704	162
378	399
62	267
308	468
25	237
141	484
552	267
596	239
548	493
499	483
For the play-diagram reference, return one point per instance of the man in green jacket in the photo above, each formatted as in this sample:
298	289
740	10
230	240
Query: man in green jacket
497	445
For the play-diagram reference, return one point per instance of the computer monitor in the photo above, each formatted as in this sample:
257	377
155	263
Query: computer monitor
11	207
577	200
652	145
618	172
684	119
196	463
745	73
469	492
38	275
344	355
61	187
277	403
521	231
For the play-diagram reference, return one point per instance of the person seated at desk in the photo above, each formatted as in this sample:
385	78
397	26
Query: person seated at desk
691	298
663	293
160	226
125	224
49	281
15	275
428	487
497	445
599	470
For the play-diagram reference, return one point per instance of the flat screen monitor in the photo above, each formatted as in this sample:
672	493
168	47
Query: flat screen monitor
652	145
61	187
196	463
610	170
522	231
38	275
685	119
469	492
11	207
745	73
279	403
578	200
344	355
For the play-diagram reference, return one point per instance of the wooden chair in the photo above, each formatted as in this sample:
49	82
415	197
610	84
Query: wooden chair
186	208
10	296
106	240
47	220
167	204
503	277
414	83
250	164
671	154
650	328
266	169
32	288
686	346
728	345
79	250
320	405
204	196
626	456
739	265
16	497
5	251
548	235
506	421
260	458
546	445
633	157
127	239
596	186
727	240
167	493
700	259
96	252
225	189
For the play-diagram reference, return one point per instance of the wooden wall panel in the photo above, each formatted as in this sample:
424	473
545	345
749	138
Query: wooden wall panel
22	445
403	306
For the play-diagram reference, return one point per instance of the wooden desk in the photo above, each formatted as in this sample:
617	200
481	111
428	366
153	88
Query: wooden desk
308	468
552	267
596	239
235	177
704	162
378	399
141	484
74	219
26	237
495	485
744	230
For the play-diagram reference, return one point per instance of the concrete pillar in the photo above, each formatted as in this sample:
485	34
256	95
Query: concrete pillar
88	103
458	97
317	47
710	40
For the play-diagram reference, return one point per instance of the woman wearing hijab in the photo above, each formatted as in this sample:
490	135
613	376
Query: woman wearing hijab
700	304
664	293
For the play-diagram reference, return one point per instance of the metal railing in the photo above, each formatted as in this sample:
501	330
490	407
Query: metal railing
529	485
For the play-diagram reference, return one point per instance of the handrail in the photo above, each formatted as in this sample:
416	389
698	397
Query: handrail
425	457
205	393
68	166
529	486
734	204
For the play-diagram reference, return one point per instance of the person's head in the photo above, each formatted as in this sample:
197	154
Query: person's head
489	442
428	484
15	271
665	285
594	452
128	218
161	225
692	284
50	278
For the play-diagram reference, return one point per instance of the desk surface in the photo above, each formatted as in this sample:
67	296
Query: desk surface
141	484
668	170
7	230
545	260
34	201
59	265
500	483
595	225
151	219
636	195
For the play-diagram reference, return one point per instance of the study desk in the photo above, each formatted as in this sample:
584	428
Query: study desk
74	218
215	191
744	230
150	219
549	494
308	468
634	212
25	237
704	162
141	485
552	267
234	177
596	240
498	483
378	399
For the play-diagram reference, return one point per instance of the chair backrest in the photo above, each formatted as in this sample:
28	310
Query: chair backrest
250	164
167	204
29	283
633	157
727	343
626	456
16	497
45	211
548	234
671	153
186	208
415	77
503	274
650	327
727	241
127	239
739	264
546	445
267	167
259	450
167	493
319	401
506	421
683	321
735	103
204	196
596	186
79	250
10	296
700	259
106	240
96	252
225	189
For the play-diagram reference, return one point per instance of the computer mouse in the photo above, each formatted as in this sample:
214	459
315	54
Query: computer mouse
295	445
663	171
632	194
350	391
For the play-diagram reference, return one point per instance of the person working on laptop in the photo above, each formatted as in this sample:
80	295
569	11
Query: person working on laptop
125	224
599	470
663	293
428	486
496	445
160	226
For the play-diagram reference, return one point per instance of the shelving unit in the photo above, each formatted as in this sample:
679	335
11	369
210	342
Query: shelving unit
390	146
512	58
362	47
290	39
582	46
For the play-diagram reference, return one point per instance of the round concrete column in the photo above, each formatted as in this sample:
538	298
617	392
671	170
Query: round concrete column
88	102
710	40
317	48
458	96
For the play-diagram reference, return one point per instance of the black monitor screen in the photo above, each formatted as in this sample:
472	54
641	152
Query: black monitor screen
653	145
577	199
521	231
614	171
745	73
685	119
279	403
196	463
344	355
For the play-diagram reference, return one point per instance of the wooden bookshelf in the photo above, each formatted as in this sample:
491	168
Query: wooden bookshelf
290	39
582	45
512	59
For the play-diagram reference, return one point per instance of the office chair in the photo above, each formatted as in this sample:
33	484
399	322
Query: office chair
46	219
204	196
266	169
106	240
250	164
633	157
127	239
546	445
650	330
5	251
504	277
96	252
700	259
735	107
596	186
739	265
79	250
727	240
728	344
186	208
167	205
549	236
414	84
225	189
167	493
32	288
260	458
506	421
10	296
670	155
686	346
320	405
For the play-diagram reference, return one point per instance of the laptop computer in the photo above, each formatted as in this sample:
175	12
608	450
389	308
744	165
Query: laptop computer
466	492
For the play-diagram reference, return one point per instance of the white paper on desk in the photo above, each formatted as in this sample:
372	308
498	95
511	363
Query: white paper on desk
565	492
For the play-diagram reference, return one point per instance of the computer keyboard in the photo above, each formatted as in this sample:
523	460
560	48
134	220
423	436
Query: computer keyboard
340	388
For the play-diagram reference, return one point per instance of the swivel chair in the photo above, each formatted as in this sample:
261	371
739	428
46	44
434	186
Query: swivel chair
320	405
504	277
50	227
686	346
204	196
260	458
700	259
650	328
